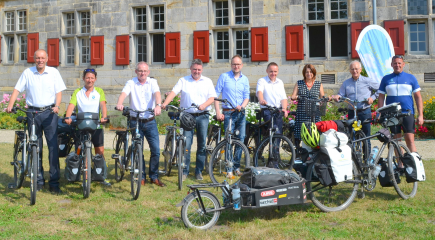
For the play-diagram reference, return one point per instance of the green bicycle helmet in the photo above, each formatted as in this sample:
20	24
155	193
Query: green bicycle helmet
310	135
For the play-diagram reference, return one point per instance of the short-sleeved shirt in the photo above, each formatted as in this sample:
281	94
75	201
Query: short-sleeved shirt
41	89
141	95
360	89
194	91
235	90
399	88
88	104
273	92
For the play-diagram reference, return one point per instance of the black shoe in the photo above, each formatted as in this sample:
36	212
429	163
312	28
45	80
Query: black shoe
39	187
55	190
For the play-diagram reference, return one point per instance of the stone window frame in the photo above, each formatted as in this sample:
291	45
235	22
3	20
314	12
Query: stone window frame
77	35
11	57
159	16
148	32
231	28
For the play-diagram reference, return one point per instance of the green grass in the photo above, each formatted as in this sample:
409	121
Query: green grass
110	213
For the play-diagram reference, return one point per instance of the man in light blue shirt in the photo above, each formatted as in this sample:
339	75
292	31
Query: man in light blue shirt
234	86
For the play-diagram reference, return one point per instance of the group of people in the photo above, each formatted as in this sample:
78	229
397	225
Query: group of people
44	87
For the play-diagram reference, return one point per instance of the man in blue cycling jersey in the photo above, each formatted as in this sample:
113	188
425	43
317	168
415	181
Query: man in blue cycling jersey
399	87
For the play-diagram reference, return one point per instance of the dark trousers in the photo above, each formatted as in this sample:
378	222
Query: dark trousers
366	128
47	122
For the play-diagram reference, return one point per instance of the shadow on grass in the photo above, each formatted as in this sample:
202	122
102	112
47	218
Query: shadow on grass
12	195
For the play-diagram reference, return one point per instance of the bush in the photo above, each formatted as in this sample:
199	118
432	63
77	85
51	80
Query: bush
175	101
7	120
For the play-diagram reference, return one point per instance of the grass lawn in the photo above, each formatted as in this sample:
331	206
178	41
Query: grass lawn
110	213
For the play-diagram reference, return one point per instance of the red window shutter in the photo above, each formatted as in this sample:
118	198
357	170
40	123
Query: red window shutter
259	44
395	29
32	46
53	52
201	45
172	48
294	42
355	30
97	50
122	50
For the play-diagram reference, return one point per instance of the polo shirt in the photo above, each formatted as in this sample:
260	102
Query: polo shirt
273	92
194	91
141	95
41	89
88	104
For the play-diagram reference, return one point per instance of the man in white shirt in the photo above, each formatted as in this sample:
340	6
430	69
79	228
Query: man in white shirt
144	94
199	90
43	86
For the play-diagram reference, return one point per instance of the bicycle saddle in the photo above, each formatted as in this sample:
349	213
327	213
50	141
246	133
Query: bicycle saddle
349	122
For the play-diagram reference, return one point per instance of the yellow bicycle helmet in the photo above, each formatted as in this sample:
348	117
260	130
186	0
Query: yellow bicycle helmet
310	135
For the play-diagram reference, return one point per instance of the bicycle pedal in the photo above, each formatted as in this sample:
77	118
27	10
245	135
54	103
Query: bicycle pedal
115	156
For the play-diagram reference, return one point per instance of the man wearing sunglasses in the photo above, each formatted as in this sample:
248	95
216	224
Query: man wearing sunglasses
43	86
399	87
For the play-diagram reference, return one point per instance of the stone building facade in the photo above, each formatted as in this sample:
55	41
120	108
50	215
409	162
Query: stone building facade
321	32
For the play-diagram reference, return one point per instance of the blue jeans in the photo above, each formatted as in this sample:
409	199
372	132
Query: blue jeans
149	130
366	128
238	123
201	137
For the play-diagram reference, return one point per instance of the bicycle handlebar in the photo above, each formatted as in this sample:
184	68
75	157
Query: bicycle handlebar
229	103
14	110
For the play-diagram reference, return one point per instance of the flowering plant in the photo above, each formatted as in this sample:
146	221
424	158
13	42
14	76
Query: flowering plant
175	101
429	109
7	120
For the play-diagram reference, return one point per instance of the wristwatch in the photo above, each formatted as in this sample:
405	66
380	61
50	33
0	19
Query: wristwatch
160	105
56	106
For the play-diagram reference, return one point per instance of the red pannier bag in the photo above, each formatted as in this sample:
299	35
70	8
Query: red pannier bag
324	126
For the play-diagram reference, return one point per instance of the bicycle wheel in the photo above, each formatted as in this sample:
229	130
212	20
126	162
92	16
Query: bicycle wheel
136	171
222	160
33	174
19	166
120	164
396	170
193	215
361	148
87	172
251	143
211	144
332	198
282	156
167	154
180	154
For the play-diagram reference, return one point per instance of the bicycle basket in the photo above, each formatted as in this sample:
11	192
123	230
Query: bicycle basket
87	121
314	107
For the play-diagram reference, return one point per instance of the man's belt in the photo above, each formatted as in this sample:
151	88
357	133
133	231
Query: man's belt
41	108
142	119
228	110
199	114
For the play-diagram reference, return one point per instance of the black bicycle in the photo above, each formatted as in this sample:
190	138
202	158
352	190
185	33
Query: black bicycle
213	138
26	154
129	158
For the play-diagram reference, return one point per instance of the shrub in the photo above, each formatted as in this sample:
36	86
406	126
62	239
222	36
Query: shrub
7	120
175	101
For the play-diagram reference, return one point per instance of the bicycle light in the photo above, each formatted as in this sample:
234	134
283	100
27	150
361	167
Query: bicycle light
33	137
237	132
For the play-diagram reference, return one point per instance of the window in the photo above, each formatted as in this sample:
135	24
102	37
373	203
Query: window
317	41
10	21
221	13
223	45
158	48
141	48
417	7
23	47
10	50
22	20
70	24
69	49
85	22
242	43
338	9
141	19
417	37
159	17
339	41
316	10
242	11
85	47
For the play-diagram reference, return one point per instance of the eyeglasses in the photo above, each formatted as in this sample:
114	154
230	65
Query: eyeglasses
236	64
398	56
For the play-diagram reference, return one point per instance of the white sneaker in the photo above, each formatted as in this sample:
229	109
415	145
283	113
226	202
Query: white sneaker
230	175
237	172
184	177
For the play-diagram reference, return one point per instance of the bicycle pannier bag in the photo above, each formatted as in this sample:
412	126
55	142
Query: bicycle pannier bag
384	176
340	161
325	174
332	138
87	121
72	167
263	177
385	135
63	140
63	127
99	168
414	169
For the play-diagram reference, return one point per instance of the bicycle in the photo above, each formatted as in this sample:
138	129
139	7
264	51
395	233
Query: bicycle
26	154
255	133
222	157
213	138
276	150
341	195
86	123
130	157
175	145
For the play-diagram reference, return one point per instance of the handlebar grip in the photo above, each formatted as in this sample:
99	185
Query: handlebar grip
219	100
14	109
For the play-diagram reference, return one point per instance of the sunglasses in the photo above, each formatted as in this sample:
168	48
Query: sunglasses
398	56
89	70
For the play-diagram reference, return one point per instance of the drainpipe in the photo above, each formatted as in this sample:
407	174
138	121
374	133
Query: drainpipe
374	12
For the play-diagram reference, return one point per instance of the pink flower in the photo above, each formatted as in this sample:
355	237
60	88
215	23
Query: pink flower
26	106
4	109
18	105
24	95
290	119
18	99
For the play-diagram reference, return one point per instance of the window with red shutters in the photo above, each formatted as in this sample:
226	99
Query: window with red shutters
294	42
32	46
201	45
53	52
259	44
97	50
355	31
122	50
395	30
172	48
